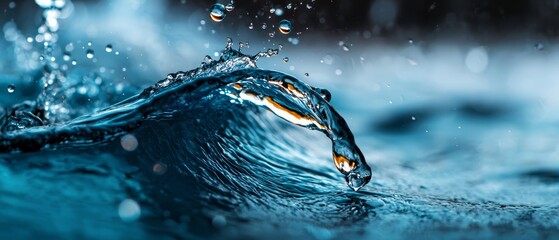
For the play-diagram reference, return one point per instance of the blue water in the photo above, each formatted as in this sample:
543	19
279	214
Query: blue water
195	156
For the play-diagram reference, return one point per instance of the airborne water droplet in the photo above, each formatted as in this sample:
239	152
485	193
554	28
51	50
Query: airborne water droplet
90	53
66	56
109	48
51	3
217	12
285	59
11	88
229	7
285	26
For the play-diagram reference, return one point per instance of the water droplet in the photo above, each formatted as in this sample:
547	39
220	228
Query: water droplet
229	7
11	88
538	46
69	47
74	63
289	6
89	53
264	26
89	44
272	34
66	57
129	210
159	168
285	59
477	59
285	26
338	72
219	221
217	12
413	118
250	26
345	47
12	5
129	142
410	41
51	3
309	6
279	12
109	48
306	74
272	10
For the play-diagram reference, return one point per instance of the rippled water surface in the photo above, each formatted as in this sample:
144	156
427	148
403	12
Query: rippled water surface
234	150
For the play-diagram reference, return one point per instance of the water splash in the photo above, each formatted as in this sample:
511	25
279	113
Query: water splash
50	105
234	75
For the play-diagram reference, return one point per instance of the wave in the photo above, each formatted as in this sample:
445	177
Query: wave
232	80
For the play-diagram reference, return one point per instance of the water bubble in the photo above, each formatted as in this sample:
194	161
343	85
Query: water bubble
345	48
12	5
129	210
74	63
285	59
264	26
272	10
89	44
250	26
285	26
89	53
410	41
279	12
306	74
11	88
109	48
538	46
272	34
413	118
229	7
288	6
309	6
338	72
217	12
